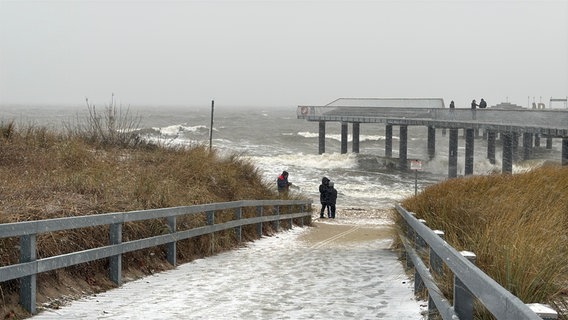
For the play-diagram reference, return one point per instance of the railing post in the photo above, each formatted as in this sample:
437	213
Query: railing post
420	245
544	311
302	218
435	261
436	267
276	223
291	210
410	234
238	230
171	247
259	225
115	262
210	220
463	299
28	283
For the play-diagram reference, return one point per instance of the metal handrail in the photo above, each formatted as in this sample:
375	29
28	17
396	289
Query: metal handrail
29	266
468	277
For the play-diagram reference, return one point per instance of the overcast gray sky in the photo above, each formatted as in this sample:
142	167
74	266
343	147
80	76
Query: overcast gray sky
281	53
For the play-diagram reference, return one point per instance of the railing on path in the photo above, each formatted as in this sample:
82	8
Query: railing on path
29	266
469	281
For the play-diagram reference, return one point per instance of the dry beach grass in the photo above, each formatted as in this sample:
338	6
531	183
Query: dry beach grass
515	224
97	169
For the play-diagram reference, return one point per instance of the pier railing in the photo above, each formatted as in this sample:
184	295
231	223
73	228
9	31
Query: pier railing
469	281
546	122
29	266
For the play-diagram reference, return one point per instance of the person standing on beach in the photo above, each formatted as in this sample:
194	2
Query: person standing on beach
283	184
323	196
331	199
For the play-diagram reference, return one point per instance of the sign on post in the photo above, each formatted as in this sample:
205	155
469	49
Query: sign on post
415	165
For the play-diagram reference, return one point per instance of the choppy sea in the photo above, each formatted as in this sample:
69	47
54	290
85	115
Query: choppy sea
275	140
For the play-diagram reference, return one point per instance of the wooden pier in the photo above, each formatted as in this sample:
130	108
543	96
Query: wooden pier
531	124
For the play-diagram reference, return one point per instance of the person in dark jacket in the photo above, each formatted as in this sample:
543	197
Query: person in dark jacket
331	199
473	104
452	105
323	195
283	184
482	104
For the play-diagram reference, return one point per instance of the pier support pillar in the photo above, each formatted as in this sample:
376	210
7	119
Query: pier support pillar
469	144
402	148
507	138
344	137
527	145
565	151
388	141
548	143
321	137
453	154
356	131
431	142
537	140
515	142
491	138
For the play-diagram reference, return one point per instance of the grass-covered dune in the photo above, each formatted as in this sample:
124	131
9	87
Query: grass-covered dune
98	169
515	224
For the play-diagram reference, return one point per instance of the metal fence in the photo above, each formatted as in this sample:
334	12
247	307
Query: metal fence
547	122
469	281
29	266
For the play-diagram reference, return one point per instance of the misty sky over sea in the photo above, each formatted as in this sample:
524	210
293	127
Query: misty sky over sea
281	53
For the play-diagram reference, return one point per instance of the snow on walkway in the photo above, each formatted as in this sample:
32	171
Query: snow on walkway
277	277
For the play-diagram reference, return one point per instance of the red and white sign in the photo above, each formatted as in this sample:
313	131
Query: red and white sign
415	165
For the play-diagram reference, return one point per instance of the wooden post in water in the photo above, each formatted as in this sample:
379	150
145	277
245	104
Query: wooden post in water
564	160
388	141
402	148
344	129
491	146
548	143
431	142
469	147
453	154
356	131
211	128
321	137
527	145
507	162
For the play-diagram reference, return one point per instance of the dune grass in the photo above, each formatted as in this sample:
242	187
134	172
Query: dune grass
515	224
88	170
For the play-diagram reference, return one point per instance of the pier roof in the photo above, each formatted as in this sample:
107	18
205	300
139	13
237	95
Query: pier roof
388	102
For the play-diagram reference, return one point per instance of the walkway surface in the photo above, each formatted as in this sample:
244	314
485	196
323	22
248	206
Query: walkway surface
334	270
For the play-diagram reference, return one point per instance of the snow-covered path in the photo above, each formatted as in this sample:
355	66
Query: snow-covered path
277	277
